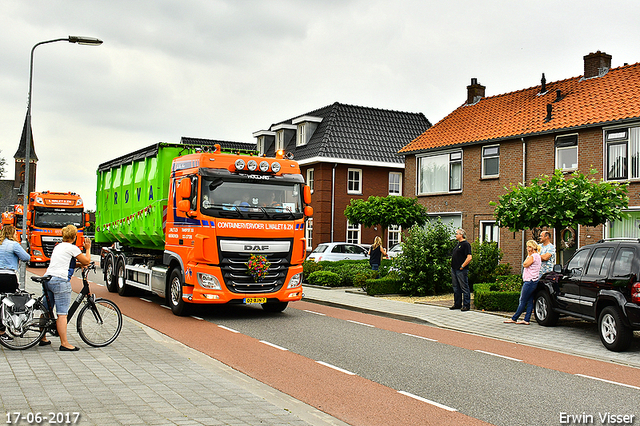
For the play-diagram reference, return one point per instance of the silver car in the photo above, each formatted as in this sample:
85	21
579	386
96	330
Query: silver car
338	251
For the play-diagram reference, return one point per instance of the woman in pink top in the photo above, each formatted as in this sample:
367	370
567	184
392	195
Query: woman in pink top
530	276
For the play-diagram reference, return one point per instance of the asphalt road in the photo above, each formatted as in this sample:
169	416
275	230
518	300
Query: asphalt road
361	368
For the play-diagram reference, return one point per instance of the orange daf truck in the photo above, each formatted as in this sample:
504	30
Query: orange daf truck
47	213
199	225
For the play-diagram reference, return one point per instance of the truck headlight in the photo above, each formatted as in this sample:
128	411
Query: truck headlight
295	281
208	281
37	252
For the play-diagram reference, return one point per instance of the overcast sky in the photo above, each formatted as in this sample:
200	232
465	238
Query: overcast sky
223	69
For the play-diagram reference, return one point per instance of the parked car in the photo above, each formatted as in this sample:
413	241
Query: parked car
394	251
600	283
338	251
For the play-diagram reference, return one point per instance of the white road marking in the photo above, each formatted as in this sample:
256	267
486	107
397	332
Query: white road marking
198	318
146	300
165	306
420	337
274	346
501	356
428	401
361	323
609	381
316	313
228	329
336	368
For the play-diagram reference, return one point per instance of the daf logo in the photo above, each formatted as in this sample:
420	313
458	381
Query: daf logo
255	248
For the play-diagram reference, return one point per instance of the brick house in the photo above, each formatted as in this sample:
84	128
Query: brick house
468	158
345	152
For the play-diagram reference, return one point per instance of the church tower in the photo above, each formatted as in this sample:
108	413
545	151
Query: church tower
20	162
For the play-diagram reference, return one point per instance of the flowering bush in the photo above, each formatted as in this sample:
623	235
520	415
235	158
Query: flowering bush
258	266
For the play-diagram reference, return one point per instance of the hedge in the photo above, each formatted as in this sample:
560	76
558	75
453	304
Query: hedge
485	298
386	285
324	278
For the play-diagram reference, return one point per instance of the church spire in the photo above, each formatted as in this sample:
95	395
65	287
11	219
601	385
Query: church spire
22	148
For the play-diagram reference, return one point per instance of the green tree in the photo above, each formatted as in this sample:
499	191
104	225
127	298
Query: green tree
386	211
424	265
557	202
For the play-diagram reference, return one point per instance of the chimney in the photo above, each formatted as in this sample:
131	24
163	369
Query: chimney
596	64
475	92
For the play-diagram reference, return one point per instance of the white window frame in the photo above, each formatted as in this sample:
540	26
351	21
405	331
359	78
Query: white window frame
351	230
311	179
394	184
627	139
301	134
563	144
490	156
495	230
279	140
394	230
308	233
451	158
358	181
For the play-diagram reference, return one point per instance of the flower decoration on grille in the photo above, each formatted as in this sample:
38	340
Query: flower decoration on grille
258	267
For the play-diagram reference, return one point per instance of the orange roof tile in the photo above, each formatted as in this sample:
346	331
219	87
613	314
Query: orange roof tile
599	100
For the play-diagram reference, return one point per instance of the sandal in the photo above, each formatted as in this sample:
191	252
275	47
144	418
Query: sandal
523	322
509	321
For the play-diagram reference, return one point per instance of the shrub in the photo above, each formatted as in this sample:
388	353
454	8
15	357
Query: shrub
310	266
508	283
324	278
490	300
348	269
486	257
386	285
503	269
424	265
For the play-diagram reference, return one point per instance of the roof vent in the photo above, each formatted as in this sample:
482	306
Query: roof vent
559	96
475	92
549	110
596	64
543	85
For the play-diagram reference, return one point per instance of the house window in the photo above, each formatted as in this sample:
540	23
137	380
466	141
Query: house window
302	138
354	181
440	173
491	161
567	152
260	145
623	153
353	233
279	140
311	179
308	233
394	232
489	231
625	228
452	219
395	183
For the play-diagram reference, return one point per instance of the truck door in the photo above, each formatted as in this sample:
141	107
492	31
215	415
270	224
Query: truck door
569	284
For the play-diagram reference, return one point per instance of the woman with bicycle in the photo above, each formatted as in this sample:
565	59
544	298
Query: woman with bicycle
59	286
10	254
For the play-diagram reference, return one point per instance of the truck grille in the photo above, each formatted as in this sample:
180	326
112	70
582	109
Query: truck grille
238	280
47	248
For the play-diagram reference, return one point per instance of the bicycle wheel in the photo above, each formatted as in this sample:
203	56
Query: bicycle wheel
99	323
26	333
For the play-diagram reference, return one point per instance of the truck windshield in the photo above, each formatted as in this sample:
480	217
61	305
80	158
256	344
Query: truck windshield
254	200
57	218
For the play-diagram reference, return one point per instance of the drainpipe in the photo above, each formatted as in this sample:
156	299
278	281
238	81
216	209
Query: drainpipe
333	197
524	182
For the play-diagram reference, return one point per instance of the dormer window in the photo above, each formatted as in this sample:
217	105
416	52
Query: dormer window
306	125
264	140
279	140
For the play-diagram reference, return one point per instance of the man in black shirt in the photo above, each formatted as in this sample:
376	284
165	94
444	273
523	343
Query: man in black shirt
460	259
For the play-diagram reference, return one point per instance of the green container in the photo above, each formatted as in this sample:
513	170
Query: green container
131	197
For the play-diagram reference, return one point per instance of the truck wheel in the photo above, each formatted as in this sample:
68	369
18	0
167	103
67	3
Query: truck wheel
109	275
123	289
614	335
275	307
545	315
174	294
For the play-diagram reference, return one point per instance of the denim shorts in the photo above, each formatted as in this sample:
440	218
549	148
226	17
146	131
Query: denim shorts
59	291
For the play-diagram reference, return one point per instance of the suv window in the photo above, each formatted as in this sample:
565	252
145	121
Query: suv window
576	264
600	261
622	265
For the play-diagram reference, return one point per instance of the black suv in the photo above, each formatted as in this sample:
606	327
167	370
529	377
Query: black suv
601	283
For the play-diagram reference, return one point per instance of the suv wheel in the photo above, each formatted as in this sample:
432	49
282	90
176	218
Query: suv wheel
545	315
614	335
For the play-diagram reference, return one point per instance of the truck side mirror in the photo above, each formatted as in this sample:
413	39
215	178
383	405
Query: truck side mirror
87	222
184	206
184	189
307	194
308	211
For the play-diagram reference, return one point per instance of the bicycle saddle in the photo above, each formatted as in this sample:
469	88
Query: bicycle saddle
43	280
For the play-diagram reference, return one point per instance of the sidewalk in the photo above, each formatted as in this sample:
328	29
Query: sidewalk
145	378
570	336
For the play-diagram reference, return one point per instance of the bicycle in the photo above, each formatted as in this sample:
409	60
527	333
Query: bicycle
26	319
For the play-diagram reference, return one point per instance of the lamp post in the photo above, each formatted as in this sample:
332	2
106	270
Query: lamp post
89	41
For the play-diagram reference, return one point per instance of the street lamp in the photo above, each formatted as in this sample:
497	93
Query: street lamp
89	41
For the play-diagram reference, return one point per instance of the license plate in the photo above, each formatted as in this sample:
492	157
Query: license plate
249	300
